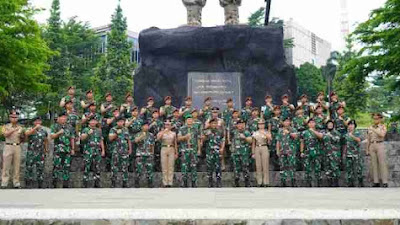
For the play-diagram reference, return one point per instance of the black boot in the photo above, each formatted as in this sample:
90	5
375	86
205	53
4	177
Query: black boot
336	182
309	184
194	184
385	185
283	184
294	183
319	183
361	183
40	184
137	182
150	184
124	184
113	183
185	184
55	183
219	183
376	185
247	182
66	184
85	184
210	182
237	182
97	183
28	184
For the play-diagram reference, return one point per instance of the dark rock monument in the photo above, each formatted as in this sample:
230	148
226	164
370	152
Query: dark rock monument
214	61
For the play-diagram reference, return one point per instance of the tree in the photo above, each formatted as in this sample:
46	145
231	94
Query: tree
349	81
379	37
23	53
114	72
257	19
309	80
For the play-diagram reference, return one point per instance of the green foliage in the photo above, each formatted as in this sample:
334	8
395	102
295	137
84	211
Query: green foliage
349	81
364	119
257	19
114	72
382	97
309	80
23	53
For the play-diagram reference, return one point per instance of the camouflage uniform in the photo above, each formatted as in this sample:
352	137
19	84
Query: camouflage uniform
246	113
299	124
267	113
86	102
127	112
319	123
168	111
241	151
92	153
186	111
206	113
75	103
354	160
62	152
286	112
188	154
144	158
73	120
120	152
287	157
148	113
275	124
89	116
176	124
155	127
312	152
252	124
333	106
215	138
306	109
35	155
227	115
332	155
134	128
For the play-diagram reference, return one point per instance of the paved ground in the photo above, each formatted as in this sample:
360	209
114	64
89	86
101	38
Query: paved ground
213	204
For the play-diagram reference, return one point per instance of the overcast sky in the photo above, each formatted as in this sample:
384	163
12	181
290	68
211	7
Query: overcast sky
320	16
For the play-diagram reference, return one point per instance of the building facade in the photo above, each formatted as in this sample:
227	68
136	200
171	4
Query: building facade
308	47
133	37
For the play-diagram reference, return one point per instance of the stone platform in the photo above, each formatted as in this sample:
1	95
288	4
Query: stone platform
201	206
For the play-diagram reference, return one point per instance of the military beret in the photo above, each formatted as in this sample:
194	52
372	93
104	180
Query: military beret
340	107
268	96
215	109
167	98
70	87
277	107
37	118
235	111
115	109
240	121
92	103
261	121
155	111
320	93
333	94
194	110
107	94
377	114
119	118
229	100
188	98
175	110
213	120
150	99
352	122
318	106
62	114
249	99
330	121
135	108
303	96
188	116
285	96
89	91
287	118
298	108
207	99
311	119
255	109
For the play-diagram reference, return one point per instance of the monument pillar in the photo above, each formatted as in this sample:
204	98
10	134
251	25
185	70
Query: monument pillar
231	8
194	9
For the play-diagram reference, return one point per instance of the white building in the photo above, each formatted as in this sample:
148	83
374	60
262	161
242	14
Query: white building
307	46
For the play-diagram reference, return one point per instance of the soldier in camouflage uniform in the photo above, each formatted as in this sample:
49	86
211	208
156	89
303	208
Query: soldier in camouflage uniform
176	121
91	113
332	154
156	125
241	150
93	150
334	105
220	126
299	123
110	122
72	118
187	109
205	112
273	127
319	118
64	148
286	151
305	105
214	152
246	110
36	153
134	125
167	110
196	122
144	155
354	158
106	110
311	152
126	108
341	122
286	108
321	102
252	123
147	112
88	101
121	148
70	97
267	111
189	147
227	113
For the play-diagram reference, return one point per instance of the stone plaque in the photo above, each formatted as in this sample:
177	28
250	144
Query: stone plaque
219	86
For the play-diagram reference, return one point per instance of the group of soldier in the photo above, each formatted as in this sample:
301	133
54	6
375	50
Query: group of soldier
318	138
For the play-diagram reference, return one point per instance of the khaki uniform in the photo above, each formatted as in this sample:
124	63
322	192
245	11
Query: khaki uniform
11	155
261	155
376	136
168	157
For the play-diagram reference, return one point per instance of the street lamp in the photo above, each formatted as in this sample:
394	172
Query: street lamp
267	10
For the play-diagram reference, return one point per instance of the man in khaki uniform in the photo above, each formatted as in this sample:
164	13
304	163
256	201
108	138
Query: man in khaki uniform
376	148
12	151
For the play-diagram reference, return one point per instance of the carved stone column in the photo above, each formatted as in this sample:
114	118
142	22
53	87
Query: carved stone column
231	8
194	9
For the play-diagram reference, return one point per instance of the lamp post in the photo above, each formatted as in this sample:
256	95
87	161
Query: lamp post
267	10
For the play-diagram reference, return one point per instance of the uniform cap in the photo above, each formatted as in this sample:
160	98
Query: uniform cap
229	100
167	98
207	99
249	99
188	98
150	99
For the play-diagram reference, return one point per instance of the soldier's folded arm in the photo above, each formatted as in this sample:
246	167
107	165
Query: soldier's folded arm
8	131
62	102
380	132
112	137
